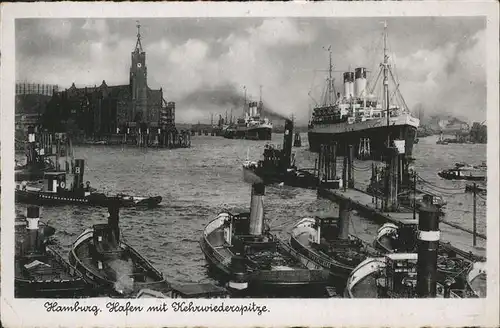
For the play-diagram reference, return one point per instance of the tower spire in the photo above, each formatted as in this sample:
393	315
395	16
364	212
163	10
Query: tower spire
138	45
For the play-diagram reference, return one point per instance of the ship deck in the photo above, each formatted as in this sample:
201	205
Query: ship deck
362	202
264	259
122	265
45	267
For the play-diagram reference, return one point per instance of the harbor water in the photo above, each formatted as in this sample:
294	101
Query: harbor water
197	183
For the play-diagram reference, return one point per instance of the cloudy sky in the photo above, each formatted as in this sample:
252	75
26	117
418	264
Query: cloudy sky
203	64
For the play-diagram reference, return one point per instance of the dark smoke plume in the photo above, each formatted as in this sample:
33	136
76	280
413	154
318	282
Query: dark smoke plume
224	98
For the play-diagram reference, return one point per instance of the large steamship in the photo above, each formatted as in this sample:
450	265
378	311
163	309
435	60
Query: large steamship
361	118
252	125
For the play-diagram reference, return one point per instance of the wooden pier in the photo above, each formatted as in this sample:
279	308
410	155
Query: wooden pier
459	240
386	208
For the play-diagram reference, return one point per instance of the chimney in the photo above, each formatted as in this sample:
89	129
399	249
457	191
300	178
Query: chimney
257	209
287	145
360	82
114	218
32	219
428	244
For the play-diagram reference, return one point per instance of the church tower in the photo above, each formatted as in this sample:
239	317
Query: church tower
139	82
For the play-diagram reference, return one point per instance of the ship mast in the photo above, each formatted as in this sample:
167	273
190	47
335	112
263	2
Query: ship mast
385	66
245	103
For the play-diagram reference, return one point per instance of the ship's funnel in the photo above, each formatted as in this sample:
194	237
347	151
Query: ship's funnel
257	209
360	82
286	154
428	244
32	220
252	110
79	171
348	85
114	219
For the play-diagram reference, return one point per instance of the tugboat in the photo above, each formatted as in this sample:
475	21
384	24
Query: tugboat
279	165
403	239
410	274
327	242
251	259
39	270
66	187
463	171
38	156
110	264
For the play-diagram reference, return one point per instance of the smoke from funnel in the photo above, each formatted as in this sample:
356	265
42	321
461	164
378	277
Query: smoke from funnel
123	269
224	98
250	176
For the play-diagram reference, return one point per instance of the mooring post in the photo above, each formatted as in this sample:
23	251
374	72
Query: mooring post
474	218
344	173
334	160
428	244
320	162
345	218
351	167
414	195
315	166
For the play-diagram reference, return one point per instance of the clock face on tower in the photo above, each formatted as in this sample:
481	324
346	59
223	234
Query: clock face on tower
139	65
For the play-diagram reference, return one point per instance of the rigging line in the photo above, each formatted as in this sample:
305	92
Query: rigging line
440	193
399	91
444	188
430	185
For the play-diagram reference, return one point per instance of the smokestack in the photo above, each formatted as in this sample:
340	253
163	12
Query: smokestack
428	244
114	218
257	209
287	145
348	85
32	219
360	82
79	171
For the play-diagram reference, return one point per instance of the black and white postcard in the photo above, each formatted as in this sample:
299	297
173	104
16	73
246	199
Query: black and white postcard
250	164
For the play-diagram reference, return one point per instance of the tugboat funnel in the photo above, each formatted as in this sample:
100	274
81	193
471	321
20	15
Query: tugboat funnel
114	218
32	218
287	145
257	209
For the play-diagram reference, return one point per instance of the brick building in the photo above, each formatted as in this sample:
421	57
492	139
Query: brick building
103	110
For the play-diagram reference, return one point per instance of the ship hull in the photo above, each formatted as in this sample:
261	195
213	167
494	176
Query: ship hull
96	199
256	133
376	135
83	259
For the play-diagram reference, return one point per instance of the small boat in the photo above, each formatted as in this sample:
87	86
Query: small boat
403	239
462	171
66	187
42	149
297	141
252	260
39	270
279	165
395	276
327	242
110	264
